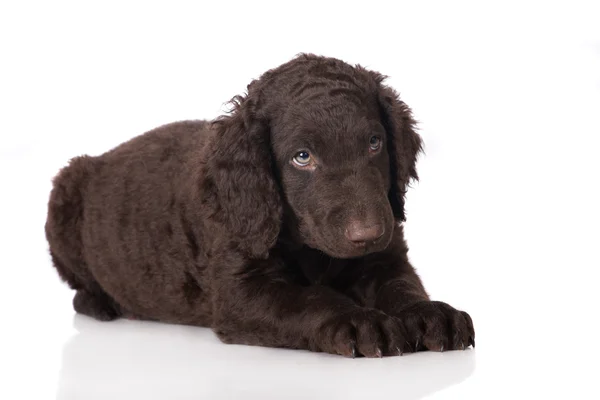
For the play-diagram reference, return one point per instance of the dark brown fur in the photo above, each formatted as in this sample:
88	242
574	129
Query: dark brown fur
212	224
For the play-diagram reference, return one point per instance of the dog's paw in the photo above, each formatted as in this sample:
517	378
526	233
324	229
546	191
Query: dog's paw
436	326
367	332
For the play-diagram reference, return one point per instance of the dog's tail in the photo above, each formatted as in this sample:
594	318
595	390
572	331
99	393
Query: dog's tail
65	219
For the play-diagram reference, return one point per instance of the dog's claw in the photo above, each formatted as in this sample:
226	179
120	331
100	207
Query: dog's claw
442	349
417	345
399	351
353	353
378	353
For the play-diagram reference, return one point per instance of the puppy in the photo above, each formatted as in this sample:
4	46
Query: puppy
276	225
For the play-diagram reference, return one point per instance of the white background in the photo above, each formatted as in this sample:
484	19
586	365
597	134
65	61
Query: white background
504	223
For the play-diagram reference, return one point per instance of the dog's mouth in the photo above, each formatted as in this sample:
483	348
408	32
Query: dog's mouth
366	244
338	243
347	249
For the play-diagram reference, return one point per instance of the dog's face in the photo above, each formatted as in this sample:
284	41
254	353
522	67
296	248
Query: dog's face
334	170
319	148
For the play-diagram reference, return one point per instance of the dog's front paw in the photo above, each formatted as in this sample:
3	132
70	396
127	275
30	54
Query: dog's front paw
367	332
436	326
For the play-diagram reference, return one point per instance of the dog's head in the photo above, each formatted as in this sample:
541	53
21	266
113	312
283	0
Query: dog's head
321	147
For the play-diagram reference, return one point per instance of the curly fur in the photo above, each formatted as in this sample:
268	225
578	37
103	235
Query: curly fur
212	224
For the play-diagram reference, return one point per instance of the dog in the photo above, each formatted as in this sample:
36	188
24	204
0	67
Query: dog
278	224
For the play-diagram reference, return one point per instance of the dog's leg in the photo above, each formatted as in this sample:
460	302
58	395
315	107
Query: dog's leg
263	306
395	288
95	305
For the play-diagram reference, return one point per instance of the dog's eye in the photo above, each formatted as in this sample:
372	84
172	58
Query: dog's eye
375	143
302	158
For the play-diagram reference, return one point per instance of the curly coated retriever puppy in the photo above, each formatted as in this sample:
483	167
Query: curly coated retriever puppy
276	225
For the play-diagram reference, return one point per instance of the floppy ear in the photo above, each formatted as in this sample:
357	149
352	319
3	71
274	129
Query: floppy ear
240	183
404	144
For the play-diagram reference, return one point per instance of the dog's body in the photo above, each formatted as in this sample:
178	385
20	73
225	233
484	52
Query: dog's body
276	226
117	224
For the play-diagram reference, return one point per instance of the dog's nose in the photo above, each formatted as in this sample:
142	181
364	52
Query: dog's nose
359	233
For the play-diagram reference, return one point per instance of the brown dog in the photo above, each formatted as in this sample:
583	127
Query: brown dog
277	225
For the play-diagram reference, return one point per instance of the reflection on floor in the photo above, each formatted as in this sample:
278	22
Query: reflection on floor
146	360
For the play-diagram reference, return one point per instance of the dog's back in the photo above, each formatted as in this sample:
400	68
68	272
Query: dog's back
116	228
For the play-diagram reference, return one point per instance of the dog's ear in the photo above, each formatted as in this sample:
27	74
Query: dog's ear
240	185
404	143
